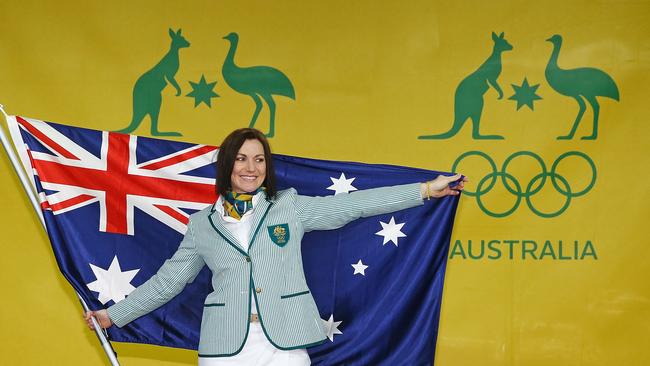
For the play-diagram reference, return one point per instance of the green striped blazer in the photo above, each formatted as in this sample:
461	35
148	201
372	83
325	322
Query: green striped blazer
271	268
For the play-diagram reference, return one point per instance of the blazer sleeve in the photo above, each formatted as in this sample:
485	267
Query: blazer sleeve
332	212
168	282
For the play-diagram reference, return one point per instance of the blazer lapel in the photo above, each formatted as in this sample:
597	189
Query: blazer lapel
217	225
260	212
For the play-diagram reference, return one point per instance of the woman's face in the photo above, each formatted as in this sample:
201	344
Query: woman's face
249	170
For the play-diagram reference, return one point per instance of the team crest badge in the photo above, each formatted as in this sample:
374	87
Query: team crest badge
279	234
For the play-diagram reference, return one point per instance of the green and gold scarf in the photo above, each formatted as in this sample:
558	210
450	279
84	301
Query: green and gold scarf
237	204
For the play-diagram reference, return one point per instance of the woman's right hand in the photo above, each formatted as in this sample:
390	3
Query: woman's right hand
102	318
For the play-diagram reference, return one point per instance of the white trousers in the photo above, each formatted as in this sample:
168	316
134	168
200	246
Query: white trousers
258	351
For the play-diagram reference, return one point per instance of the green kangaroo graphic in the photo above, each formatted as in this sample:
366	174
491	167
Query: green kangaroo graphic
584	82
468	100
147	91
256	82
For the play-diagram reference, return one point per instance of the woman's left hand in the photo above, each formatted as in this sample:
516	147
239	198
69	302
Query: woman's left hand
439	187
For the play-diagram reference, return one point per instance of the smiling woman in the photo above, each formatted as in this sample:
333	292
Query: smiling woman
261	312
249	170
244	158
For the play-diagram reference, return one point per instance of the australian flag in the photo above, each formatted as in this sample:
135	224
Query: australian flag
116	207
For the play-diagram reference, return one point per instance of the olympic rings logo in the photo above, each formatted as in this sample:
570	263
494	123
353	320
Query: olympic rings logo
560	183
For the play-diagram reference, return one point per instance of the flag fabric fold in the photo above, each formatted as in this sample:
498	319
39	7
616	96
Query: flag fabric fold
116	207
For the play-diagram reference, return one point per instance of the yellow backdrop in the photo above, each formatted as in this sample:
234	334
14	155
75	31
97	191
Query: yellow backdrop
546	283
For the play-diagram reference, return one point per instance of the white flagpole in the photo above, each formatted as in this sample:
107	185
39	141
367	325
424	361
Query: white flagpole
31	193
27	185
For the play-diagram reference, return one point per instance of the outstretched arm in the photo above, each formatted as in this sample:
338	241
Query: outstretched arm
168	282
332	212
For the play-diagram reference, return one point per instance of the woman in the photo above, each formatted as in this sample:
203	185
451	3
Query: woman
261	311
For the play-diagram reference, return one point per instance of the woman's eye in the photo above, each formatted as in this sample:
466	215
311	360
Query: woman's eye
259	160
240	158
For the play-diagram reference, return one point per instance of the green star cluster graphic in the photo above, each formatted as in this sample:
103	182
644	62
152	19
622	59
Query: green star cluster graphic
525	94
202	92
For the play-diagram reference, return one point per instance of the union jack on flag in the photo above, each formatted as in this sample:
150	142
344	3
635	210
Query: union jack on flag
119	177
116	207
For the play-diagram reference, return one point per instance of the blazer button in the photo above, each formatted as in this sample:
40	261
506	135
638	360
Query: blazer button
248	259
258	290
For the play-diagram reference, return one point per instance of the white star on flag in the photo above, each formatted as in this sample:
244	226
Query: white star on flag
391	231
359	268
112	284
342	185
332	327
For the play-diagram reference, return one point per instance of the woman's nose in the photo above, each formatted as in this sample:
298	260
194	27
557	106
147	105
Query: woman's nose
250	166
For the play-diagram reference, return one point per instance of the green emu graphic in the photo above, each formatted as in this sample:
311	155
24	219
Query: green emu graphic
468	100
256	82
584	82
147	92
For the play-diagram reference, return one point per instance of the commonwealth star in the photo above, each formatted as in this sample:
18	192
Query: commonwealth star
202	92
112	284
525	94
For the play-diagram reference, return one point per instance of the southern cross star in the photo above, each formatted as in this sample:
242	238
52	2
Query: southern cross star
391	231
112	284
332	327
359	268
342	185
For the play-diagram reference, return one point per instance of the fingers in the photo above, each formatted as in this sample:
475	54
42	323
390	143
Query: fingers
458	188
88	315
454	177
90	324
441	185
88	318
458	176
461	181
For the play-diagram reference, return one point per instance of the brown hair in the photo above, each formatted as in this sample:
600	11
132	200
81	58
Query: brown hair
228	153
